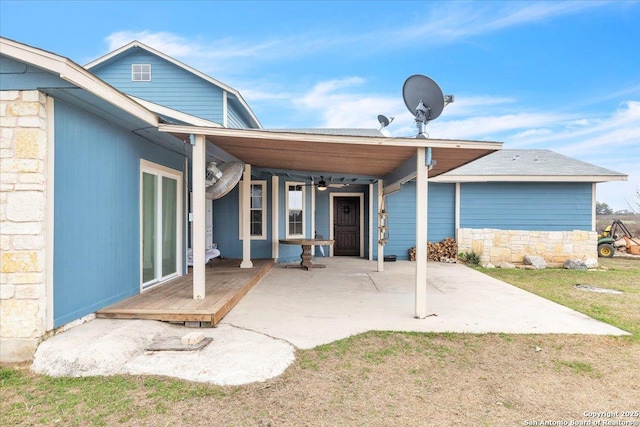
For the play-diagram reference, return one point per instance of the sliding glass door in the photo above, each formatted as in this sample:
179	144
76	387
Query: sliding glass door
160	224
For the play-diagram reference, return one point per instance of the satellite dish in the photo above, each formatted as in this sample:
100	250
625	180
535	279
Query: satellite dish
231	174
424	99
384	121
419	89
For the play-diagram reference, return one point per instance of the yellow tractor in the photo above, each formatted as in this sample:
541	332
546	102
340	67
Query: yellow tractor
615	236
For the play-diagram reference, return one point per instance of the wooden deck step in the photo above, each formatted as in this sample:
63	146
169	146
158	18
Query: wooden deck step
225	285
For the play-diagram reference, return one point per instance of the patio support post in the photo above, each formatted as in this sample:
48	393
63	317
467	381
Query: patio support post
380	246
370	243
275	218
246	219
593	207
421	234
457	211
198	224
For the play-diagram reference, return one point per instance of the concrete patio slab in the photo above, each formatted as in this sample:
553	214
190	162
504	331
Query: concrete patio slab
293	308
309	308
117	346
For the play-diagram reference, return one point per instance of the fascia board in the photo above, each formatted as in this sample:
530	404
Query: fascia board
188	118
529	178
75	74
335	139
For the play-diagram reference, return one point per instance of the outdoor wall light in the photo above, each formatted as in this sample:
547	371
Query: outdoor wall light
322	185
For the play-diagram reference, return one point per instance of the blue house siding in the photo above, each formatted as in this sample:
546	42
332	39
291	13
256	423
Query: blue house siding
20	76
235	118
322	216
442	211
170	85
401	207
540	206
226	222
96	211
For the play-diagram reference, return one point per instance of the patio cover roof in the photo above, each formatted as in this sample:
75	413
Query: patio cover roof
375	157
391	161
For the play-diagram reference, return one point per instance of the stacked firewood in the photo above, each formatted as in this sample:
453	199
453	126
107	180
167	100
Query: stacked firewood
444	251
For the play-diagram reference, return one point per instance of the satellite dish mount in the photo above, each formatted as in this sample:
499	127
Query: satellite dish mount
425	100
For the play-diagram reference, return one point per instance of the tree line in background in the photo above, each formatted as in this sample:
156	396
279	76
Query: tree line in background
604	209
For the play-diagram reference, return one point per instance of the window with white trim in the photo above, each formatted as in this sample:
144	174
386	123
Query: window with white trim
258	211
141	72
295	209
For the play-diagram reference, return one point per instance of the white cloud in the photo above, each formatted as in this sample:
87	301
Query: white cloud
450	22
492	127
178	46
531	132
439	25
221	56
337	103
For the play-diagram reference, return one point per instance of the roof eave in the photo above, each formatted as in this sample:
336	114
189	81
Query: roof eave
76	75
337	139
527	178
187	118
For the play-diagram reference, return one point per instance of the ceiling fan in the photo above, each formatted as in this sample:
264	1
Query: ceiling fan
322	185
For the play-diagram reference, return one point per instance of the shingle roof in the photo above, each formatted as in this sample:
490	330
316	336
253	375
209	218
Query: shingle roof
331	131
530	163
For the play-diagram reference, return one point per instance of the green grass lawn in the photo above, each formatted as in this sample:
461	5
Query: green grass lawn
385	378
557	284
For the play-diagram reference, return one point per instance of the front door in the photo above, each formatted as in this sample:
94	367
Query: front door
346	226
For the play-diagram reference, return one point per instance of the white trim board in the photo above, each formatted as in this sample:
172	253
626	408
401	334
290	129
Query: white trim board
160	109
50	211
161	171
75	74
528	178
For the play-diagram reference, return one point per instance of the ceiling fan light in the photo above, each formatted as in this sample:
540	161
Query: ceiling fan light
322	185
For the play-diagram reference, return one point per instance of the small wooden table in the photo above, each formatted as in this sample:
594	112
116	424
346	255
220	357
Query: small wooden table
306	251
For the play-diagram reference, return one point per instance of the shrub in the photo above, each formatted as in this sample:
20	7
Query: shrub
470	257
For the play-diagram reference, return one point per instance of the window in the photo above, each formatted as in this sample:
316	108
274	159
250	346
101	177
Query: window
141	72
160	223
258	211
295	209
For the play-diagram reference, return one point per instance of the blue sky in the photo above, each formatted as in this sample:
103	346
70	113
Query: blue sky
558	75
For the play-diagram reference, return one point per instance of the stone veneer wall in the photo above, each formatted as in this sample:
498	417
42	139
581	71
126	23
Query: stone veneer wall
495	246
23	227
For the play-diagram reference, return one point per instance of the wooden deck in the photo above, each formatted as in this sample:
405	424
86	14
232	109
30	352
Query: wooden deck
173	301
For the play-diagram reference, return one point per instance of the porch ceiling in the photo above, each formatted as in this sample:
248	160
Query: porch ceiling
334	154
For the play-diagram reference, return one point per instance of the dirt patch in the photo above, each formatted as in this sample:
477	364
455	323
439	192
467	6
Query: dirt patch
380	379
591	288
